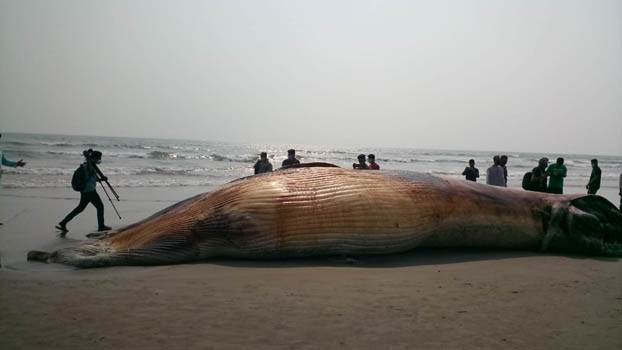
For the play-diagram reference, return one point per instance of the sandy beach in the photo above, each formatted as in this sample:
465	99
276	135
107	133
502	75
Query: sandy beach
427	299
172	99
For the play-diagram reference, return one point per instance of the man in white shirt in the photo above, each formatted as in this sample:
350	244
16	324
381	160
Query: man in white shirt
494	174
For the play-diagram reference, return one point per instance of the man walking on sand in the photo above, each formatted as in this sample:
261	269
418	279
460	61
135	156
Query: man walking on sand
88	192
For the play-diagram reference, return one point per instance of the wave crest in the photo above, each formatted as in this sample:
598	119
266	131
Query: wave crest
242	159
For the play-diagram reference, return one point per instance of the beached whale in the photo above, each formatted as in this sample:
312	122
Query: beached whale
318	210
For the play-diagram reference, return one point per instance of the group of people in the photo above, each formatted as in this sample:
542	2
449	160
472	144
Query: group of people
263	165
496	175
556	173
542	178
362	165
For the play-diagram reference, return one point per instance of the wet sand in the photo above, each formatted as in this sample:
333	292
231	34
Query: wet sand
430	299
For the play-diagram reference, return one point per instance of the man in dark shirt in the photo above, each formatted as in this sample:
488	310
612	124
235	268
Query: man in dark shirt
538	177
291	158
263	165
361	164
594	184
471	172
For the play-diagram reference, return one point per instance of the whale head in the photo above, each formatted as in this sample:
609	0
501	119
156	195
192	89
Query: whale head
587	225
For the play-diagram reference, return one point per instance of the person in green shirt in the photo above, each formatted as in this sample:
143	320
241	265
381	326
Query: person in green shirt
557	173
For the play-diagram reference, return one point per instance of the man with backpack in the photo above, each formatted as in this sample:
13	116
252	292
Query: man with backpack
538	177
84	180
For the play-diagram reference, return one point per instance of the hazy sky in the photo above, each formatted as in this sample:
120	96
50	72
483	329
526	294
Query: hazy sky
541	76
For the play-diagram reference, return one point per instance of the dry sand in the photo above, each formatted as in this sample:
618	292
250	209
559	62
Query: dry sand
425	299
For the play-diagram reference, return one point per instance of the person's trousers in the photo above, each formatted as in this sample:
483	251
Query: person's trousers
85	199
558	190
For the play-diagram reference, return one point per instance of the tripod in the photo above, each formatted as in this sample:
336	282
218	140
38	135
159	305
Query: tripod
100	178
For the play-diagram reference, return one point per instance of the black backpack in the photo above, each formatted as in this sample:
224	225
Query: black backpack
527	185
79	178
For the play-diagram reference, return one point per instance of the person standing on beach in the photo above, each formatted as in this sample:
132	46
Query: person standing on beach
539	175
263	165
372	162
504	161
594	184
291	158
20	163
471	172
88	193
557	173
494	174
361	164
620	191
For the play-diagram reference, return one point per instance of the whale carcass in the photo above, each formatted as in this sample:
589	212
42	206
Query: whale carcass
318	210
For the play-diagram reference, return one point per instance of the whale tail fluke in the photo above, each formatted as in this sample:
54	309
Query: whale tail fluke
99	253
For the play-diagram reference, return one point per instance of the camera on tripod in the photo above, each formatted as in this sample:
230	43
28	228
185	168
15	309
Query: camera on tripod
92	156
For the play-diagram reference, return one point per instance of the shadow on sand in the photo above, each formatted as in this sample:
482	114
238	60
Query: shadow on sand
416	257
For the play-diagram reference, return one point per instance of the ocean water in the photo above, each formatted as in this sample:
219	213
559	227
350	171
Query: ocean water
141	162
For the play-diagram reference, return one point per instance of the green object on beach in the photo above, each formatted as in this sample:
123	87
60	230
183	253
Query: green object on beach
557	173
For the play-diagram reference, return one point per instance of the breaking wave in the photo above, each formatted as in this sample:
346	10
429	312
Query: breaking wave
241	159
